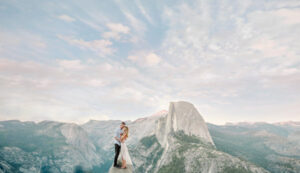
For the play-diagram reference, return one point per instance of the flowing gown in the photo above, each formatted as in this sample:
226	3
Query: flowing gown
125	154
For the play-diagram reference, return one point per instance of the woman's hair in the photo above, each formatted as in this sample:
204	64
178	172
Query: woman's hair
125	131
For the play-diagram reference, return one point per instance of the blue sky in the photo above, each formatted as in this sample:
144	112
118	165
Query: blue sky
76	60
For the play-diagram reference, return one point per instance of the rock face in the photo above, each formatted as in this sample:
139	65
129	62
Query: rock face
182	143
174	141
79	140
276	147
101	132
45	147
129	169
182	116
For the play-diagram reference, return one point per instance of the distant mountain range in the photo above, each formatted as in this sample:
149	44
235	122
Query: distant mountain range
173	141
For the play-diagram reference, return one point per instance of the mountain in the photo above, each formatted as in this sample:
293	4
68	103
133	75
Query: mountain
275	147
46	147
177	140
180	143
182	116
102	132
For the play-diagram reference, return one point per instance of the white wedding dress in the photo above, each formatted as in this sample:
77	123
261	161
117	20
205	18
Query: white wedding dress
125	154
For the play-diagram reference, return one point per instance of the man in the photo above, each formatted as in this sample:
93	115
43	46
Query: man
118	143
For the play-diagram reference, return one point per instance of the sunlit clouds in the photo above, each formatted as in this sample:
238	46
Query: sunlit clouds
235	61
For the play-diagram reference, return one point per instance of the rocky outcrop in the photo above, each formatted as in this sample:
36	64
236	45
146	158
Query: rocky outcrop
46	146
176	140
79	140
129	169
272	146
182	116
182	143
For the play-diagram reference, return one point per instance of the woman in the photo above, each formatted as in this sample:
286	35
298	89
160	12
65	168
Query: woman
124	150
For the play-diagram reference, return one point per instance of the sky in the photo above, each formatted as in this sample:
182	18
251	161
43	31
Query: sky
73	61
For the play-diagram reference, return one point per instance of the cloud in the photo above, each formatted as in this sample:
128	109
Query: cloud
152	59
138	26
275	35
116	30
67	90
144	12
85	119
202	41
223	57
276	17
145	58
101	47
71	64
233	60
21	43
117	27
66	18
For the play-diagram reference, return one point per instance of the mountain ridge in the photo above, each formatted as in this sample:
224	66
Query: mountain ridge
296	123
177	138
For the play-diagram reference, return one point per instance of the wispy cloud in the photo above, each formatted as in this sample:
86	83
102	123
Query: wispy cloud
138	26
236	61
21	43
62	90
101	47
70	64
144	12
144	58
115	31
66	18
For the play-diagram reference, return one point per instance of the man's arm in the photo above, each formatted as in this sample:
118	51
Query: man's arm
117	139
117	132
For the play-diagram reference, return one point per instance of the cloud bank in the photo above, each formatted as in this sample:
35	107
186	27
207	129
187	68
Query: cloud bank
236	61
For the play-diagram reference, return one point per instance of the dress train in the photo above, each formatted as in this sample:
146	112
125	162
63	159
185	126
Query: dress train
125	154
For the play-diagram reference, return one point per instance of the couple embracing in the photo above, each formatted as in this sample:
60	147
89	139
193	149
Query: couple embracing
121	149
